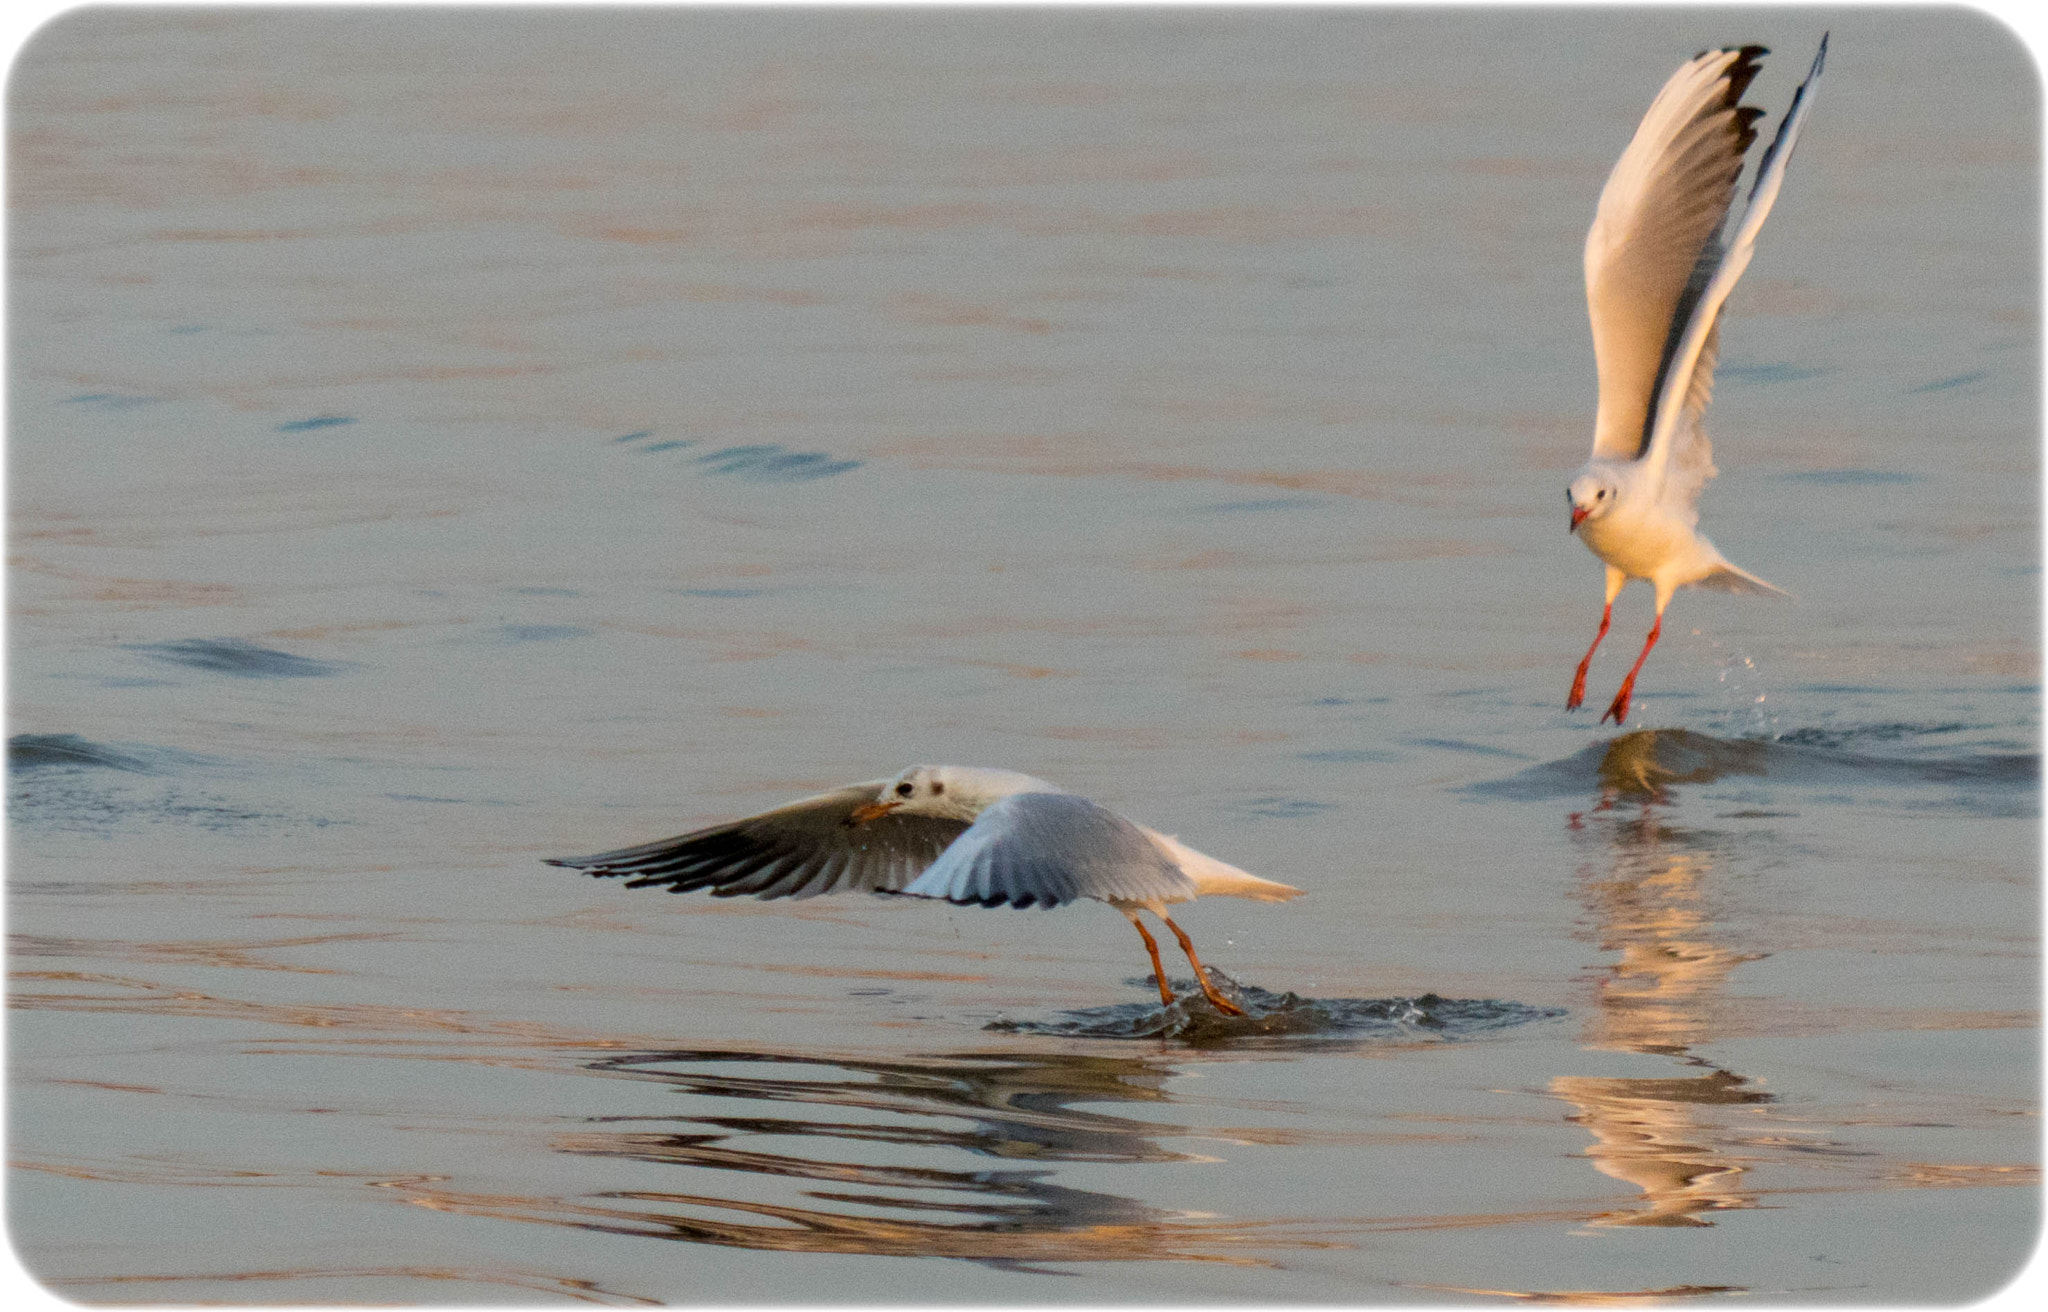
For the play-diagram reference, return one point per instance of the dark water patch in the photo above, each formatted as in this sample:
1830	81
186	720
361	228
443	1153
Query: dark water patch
1952	381
315	423
76	803
1283	1016
1351	756
1849	477
110	400
667	444
1459	745
1648	761
1284	808
511	633
237	657
1258	506
1350	701
1767	374
66	782
771	463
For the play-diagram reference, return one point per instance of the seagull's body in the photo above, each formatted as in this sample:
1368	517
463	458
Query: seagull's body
961	833
1657	275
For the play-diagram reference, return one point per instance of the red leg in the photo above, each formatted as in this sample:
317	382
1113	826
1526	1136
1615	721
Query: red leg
1158	970
1187	945
1571	703
1619	710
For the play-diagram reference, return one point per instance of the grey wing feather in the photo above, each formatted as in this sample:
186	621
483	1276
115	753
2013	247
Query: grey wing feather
1045	849
800	850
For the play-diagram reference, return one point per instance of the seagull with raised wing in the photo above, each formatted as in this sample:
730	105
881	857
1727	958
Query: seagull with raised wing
970	836
1657	274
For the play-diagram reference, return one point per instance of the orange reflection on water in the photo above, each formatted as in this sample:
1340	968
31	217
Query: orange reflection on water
1645	892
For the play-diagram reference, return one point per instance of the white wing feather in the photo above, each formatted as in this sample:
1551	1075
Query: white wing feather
1651	250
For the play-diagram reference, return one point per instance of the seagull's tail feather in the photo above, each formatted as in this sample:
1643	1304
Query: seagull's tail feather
1215	878
1733	578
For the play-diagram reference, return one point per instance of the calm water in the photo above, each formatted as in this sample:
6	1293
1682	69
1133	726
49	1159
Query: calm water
441	442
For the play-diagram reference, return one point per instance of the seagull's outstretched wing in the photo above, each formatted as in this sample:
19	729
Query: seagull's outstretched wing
800	850
1674	419
1652	248
1043	849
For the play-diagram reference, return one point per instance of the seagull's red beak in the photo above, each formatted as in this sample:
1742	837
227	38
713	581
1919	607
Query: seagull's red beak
1579	514
867	811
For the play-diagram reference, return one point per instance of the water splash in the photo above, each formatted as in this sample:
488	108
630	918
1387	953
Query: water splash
1647	762
1285	1016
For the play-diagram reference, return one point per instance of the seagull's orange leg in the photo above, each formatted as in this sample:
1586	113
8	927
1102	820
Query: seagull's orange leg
1152	946
1217	1000
1571	703
1619	710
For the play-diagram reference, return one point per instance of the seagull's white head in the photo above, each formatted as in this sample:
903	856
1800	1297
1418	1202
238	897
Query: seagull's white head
950	792
1592	494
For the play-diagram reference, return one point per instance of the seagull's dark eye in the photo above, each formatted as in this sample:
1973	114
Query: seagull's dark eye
1601	495
903	789
938	788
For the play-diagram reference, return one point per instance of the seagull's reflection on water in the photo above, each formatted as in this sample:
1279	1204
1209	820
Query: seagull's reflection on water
966	1156
752	1115
1645	885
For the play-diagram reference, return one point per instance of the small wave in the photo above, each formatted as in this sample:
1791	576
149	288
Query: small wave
516	633
1282	1016
1649	760
240	658
37	751
771	463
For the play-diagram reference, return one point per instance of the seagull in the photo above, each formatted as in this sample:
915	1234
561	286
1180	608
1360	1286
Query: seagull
1657	275
968	835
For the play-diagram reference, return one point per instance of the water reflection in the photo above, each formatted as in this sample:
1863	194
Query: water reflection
939	1156
1645	888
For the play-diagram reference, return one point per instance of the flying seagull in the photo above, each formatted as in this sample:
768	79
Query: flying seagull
1657	275
967	835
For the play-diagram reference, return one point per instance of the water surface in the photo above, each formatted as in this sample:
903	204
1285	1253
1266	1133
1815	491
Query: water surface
442	441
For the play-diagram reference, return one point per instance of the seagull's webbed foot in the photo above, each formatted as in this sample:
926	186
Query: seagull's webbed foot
1578	695
1217	1000
1187	945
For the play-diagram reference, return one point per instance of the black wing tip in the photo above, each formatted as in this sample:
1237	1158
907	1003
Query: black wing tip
1743	71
